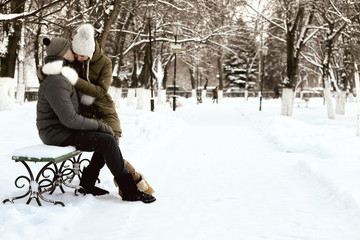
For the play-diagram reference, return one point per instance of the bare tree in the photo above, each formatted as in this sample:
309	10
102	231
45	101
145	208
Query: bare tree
295	23
11	30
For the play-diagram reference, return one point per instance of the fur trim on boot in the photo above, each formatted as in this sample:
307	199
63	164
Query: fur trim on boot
144	186
139	179
129	191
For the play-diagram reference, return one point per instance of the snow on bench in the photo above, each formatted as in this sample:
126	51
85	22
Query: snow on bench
44	153
54	177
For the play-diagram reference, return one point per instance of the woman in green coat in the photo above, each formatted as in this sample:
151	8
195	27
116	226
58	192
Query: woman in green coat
95	74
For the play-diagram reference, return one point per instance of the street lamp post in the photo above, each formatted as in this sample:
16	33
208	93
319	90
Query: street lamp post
263	53
197	81
176	31
149	16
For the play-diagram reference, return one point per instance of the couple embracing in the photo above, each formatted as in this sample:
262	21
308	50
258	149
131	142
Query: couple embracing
74	108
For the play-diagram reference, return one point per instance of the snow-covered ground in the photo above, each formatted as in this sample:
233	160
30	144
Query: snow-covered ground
220	171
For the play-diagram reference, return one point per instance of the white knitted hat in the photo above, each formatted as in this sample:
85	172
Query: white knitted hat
83	42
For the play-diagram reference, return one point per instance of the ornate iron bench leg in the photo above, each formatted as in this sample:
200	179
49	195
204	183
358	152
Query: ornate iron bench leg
66	174
36	186
46	184
29	180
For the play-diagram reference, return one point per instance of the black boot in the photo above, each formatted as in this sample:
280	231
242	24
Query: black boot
130	191
88	180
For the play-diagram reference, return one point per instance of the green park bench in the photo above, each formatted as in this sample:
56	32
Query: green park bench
62	165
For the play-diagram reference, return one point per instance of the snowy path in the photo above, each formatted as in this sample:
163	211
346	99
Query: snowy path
216	175
226	185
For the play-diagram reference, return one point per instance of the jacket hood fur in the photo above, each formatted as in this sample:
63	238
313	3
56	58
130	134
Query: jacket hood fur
53	68
57	67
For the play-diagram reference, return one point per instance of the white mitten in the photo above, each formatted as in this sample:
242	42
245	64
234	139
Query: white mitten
70	74
86	99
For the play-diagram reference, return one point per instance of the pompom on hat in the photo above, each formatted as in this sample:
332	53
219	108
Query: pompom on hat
56	46
83	42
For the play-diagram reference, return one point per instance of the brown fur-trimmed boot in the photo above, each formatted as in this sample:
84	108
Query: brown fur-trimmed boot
143	185
129	191
139	179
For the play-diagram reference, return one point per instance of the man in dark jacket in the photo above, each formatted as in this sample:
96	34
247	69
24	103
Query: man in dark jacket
59	123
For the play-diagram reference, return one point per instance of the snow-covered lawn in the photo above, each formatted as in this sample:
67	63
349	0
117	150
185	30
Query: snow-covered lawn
220	171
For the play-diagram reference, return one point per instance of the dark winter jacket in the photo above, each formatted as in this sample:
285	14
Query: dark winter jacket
215	93
94	80
58	104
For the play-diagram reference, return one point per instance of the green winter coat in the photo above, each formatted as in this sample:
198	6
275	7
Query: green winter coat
99	72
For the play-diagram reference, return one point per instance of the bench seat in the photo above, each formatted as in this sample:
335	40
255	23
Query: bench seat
45	153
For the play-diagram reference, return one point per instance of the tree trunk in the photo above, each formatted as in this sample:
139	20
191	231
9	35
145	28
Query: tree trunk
357	87
351	97
161	96
131	97
193	93
340	103
328	100
203	94
7	93
122	37
134	77
20	92
287	102
192	79
163	83
146	69
160	74
109	20
291	66
142	98
219	66
8	61
115	94
36	46
220	95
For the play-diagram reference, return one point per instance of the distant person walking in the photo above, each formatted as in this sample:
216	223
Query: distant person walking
276	92
215	95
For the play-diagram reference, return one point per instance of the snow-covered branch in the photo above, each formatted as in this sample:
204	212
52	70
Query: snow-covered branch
310	60
20	16
186	40
311	35
263	16
171	5
339	13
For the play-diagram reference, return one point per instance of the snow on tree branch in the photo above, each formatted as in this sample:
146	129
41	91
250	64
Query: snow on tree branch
20	16
262	15
339	13
172	5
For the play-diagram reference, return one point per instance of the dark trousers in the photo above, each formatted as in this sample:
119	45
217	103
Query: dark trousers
105	148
